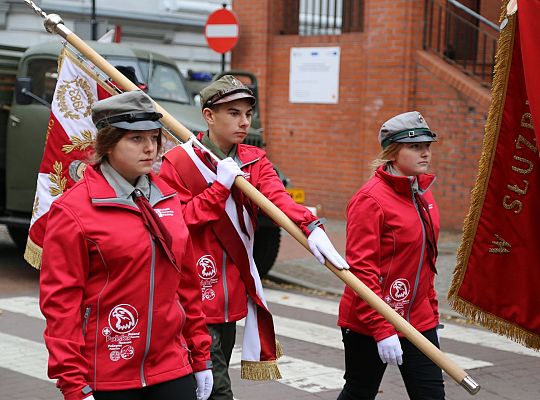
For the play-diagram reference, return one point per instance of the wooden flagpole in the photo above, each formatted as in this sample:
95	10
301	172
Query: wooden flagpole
54	24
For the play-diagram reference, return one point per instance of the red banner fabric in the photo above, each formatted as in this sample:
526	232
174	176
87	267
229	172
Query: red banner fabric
68	145
498	266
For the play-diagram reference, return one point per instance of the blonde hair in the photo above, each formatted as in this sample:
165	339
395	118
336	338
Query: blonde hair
386	156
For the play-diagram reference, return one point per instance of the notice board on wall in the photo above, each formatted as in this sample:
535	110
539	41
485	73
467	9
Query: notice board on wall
314	75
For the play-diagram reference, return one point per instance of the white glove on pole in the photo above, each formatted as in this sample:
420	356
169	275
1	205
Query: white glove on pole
205	381
322	248
390	350
227	171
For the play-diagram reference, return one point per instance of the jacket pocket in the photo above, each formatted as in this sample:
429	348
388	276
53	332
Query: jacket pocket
86	317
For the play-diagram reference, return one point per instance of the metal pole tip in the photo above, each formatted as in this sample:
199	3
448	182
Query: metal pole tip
470	385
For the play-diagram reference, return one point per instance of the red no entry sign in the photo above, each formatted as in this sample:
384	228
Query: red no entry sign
221	30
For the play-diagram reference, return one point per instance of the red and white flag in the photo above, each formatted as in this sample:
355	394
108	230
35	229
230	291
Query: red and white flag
68	144
496	279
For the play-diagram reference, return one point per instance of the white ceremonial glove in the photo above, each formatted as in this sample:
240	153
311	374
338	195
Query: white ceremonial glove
205	381
89	398
227	171
322	248
390	350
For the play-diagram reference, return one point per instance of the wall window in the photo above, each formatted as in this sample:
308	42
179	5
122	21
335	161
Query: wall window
323	17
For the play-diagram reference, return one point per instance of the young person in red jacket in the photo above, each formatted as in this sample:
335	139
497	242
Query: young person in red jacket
392	231
118	289
222	222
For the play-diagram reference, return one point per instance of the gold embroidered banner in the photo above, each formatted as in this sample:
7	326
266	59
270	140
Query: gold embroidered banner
496	279
69	139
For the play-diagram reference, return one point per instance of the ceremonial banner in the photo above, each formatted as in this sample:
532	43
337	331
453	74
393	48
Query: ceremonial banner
496	279
68	144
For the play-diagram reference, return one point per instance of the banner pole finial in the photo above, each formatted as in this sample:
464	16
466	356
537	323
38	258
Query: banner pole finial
36	9
51	22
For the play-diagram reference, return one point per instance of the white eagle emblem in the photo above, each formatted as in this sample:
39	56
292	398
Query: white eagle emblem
123	318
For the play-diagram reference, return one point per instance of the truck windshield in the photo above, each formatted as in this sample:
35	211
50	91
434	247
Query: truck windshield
163	81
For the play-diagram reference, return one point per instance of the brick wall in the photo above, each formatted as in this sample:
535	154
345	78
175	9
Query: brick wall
326	149
456	108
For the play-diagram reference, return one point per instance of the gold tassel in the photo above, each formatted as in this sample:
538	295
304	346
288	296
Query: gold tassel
279	350
32	254
260	370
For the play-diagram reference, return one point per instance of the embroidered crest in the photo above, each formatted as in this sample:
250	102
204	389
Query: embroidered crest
76	170
75	98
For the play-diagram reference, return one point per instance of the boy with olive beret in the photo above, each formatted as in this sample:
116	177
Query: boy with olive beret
222	224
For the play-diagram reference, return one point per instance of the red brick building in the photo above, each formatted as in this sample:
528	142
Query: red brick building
396	56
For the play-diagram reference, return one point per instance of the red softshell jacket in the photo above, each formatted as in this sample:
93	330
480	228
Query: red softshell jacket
386	249
119	315
224	292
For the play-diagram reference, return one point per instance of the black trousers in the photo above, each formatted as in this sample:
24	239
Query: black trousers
178	389
223	338
364	369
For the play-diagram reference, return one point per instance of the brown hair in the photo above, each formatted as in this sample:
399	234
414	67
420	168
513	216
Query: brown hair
106	139
387	155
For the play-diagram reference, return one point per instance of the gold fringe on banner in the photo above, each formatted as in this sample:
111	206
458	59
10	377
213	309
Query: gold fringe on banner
505	46
259	370
279	349
32	254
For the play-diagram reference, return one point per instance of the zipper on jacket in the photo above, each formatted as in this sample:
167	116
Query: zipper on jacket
87	311
225	288
150	308
190	360
183	312
417	279
96	333
184	345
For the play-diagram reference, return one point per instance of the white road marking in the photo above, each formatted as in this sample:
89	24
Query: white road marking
24	356
301	374
460	333
26	305
300	301
312	333
331	337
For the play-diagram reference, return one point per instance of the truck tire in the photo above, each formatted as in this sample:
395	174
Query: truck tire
19	236
266	248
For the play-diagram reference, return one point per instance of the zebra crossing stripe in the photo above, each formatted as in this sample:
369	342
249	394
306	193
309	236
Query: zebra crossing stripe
323	335
457	332
301	374
24	356
331	337
25	305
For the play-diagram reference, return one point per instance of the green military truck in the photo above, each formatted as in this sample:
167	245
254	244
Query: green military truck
27	82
